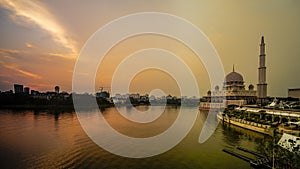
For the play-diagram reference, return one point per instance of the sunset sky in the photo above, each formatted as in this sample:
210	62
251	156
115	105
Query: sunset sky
40	41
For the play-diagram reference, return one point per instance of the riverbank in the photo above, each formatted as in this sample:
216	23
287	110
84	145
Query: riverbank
260	128
47	107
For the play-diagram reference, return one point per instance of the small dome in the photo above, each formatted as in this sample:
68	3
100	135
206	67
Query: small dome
234	77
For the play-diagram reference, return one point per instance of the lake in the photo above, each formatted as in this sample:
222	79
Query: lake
55	139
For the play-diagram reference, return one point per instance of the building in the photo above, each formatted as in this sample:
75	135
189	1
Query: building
26	90
34	92
135	96
262	84
56	89
18	88
234	93
102	94
294	93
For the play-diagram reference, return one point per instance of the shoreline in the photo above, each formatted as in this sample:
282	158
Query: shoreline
257	127
252	126
71	107
44	107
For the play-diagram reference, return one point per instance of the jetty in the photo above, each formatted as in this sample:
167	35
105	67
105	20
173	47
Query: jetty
260	161
250	151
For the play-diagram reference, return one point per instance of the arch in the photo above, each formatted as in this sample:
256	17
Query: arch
284	119
276	118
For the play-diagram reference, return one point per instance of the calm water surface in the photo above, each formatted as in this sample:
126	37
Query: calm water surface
55	139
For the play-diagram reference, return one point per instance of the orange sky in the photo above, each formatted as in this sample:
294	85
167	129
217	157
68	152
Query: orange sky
40	41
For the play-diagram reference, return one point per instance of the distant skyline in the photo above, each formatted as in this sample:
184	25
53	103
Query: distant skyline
40	41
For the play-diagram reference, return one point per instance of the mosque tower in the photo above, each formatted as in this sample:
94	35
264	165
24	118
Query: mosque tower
262	84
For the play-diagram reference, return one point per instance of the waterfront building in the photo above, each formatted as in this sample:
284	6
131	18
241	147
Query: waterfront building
294	93
135	96
233	92
18	88
56	89
262	84
103	94
34	92
26	90
50	95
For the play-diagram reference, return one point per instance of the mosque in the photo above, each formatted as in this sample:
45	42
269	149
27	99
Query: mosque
234	93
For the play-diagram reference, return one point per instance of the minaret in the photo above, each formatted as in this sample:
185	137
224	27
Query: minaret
262	84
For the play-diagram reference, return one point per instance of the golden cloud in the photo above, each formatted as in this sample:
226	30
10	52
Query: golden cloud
23	72
35	12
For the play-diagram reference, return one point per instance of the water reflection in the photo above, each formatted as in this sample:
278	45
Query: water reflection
55	139
231	136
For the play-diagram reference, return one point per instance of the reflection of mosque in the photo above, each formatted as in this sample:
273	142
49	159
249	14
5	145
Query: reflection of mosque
234	93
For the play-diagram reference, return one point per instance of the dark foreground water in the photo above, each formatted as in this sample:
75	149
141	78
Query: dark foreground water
55	139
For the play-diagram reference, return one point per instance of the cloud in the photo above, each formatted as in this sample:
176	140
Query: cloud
23	72
65	56
28	45
12	54
35	12
10	51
